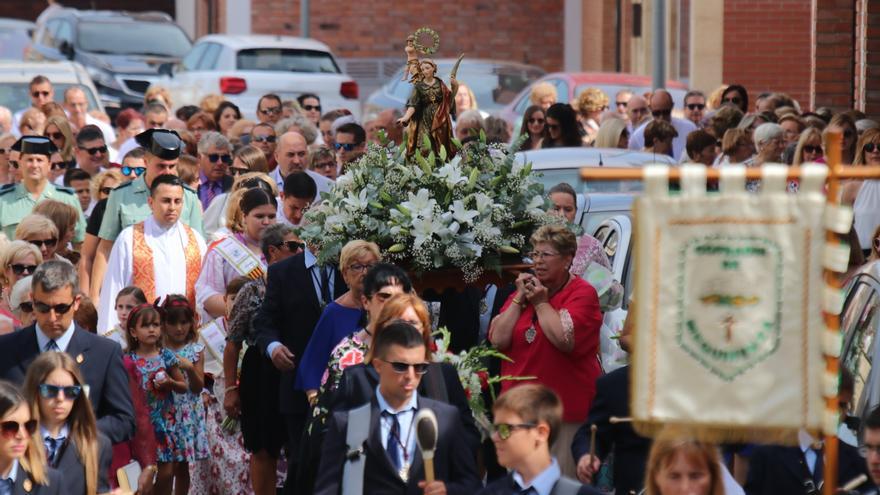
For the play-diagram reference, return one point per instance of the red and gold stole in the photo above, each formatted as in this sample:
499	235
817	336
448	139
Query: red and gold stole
143	268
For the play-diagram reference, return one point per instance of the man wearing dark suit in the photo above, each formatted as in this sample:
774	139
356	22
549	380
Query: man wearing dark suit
775	469
393	464
215	157
54	288
630	450
297	289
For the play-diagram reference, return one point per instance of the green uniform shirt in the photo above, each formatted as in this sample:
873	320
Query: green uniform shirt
16	203
127	205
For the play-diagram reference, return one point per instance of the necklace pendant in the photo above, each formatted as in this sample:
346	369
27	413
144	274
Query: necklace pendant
531	333
404	472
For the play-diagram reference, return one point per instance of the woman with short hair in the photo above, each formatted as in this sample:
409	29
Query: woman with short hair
40	231
590	105
64	216
769	144
322	160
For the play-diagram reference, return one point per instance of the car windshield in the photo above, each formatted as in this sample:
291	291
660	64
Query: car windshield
15	96
493	85
13	43
286	60
160	39
551	177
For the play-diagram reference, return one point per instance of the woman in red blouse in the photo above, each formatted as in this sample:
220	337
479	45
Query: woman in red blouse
549	328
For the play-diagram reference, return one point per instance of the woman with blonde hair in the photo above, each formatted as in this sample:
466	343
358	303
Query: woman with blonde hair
239	132
40	231
612	134
32	123
809	147
864	195
678	463
21	448
59	132
18	259
465	99
543	94
64	216
104	182
590	104
248	159
55	391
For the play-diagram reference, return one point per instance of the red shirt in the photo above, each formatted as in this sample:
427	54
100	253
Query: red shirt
573	374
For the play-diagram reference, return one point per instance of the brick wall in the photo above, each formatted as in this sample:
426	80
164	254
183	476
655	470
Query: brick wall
29	10
834	45
767	46
529	32
867	58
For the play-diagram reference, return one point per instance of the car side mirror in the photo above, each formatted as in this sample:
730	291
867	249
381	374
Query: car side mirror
66	49
167	69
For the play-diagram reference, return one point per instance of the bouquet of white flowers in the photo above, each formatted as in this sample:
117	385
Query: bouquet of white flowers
466	213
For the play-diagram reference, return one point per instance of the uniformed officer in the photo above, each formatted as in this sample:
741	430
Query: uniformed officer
127	204
18	200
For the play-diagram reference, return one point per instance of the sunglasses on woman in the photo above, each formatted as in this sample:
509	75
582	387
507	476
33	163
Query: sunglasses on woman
816	150
54	135
69	392
235	171
11	428
26	307
49	243
60	165
19	269
536	121
871	147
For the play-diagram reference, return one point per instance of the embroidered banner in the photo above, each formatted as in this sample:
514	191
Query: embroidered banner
728	334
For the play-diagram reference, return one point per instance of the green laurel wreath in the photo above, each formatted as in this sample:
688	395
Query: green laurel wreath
427	50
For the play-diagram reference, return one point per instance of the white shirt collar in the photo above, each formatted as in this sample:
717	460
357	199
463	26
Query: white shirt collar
64	432
544	482
13	472
806	441
385	406
62	342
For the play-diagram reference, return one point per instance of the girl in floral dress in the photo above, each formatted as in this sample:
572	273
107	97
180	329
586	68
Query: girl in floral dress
158	371
182	339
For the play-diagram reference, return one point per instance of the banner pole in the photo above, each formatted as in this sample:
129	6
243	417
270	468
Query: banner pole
832	322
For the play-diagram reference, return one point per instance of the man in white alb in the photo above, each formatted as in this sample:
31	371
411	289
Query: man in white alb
161	255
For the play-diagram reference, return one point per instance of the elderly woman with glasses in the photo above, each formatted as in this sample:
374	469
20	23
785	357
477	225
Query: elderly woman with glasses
41	232
21	303
322	160
18	260
341	317
549	327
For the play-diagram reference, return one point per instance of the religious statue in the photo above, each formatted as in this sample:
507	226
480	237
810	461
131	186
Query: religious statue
431	103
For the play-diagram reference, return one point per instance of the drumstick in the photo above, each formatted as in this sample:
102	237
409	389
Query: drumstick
854	483
593	441
615	419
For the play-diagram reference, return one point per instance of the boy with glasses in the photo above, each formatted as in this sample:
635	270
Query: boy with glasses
527	421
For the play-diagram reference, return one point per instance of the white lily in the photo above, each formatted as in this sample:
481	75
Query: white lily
424	229
420	204
359	202
451	174
461	214
536	205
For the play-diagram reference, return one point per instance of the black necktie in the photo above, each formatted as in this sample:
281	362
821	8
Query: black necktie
819	469
393	447
52	445
325	284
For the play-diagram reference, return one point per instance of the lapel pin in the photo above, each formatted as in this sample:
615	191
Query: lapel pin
80	358
27	485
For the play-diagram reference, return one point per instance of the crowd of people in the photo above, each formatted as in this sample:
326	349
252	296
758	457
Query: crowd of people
159	311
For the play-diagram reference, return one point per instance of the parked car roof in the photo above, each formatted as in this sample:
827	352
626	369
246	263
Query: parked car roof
114	15
240	41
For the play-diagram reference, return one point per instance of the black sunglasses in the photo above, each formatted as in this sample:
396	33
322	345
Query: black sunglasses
294	246
60	309
323	165
215	157
59	165
620	103
696	106
138	171
871	147
661	113
736	100
813	149
54	135
51	391
312	107
19	269
504	430
105	190
263	139
344	146
95	150
419	368
234	171
536	121
49	243
26	307
11	428
37	94
553	127
270	111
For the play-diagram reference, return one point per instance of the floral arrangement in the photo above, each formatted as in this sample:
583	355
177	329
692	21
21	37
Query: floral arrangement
474	375
431	213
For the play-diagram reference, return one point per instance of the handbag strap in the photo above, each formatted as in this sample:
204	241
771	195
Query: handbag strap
356	434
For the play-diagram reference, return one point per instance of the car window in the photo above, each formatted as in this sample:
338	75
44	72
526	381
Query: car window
15	96
286	60
191	60
160	39
209	59
860	324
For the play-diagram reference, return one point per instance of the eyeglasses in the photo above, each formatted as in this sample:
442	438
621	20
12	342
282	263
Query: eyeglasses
539	255
11	428
26	307
105	190
271	111
18	269
49	243
866	450
553	127
661	113
871	147
360	268
419	368
51	391
59	309
327	165
37	94
59	165
536	121
235	171
620	103
813	149
639	110
312	107
504	430
138	171
95	150
695	106
345	146
54	135
294	246
263	139
215	157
